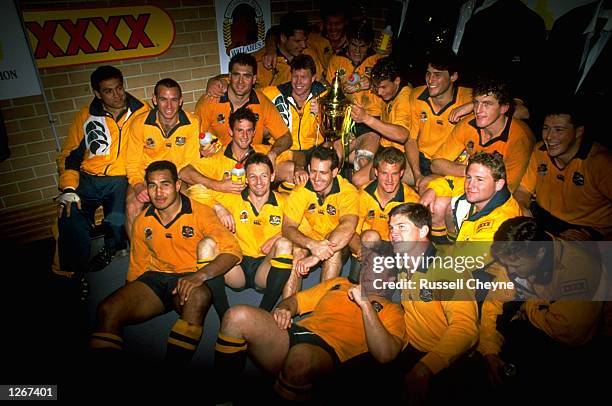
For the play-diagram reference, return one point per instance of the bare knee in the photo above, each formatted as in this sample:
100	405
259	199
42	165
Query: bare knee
370	236
299	368
199	299
109	312
283	246
207	248
235	319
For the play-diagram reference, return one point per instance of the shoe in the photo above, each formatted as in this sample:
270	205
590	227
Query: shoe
101	260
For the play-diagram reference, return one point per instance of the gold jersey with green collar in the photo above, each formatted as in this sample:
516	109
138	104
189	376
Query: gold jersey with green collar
173	248
482	225
372	215
319	216
253	228
397	111
147	142
215	167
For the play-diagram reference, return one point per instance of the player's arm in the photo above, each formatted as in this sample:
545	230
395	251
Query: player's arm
444	167
392	132
343	233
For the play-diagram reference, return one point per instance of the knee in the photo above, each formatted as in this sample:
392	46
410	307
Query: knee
109	311
200	298
283	246
207	248
370	236
298	367
235	317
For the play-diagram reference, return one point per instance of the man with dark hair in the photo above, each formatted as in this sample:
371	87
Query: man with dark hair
293	34
544	333
297	104
490	129
394	123
214	112
345	320
178	245
432	110
92	173
570	176
320	218
255	217
166	133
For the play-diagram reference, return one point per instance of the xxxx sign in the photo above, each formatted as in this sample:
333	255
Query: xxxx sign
90	35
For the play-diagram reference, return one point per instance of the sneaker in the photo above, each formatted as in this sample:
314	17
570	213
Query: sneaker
100	260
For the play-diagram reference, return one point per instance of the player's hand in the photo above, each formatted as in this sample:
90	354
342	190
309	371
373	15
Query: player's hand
267	246
65	200
282	317
186	285
428	199
216	87
358	113
416	384
323	249
458	113
140	190
208	150
302	266
314	107
226	185
300	176
269	59
225	217
423	182
494	367
357	295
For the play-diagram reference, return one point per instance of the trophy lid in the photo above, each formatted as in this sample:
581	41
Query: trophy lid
335	95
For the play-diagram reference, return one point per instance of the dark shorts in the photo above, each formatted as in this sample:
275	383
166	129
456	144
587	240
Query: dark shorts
301	335
162	284
424	164
361	129
249	266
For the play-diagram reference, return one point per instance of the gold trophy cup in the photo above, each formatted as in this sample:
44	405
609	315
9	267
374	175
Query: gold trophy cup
336	122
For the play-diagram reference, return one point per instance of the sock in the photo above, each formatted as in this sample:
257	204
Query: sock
182	343
292	392
219	296
439	235
230	360
279	273
102	340
285	187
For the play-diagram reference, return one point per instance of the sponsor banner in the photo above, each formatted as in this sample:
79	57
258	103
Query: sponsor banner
17	71
93	35
241	27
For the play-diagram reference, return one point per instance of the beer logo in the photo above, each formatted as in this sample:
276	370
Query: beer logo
470	147
187	231
575	286
542	169
578	179
148	233
168	235
311	208
180	141
439	122
244	216
371	215
561	177
257	222
423	116
275	220
220	118
93	35
483	225
331	210
244	29
150	143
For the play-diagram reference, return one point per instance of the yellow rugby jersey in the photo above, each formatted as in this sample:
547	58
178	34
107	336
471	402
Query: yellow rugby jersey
282	73
428	128
319	217
214	117
303	124
338	320
253	228
372	216
580	193
321	47
515	144
366	98
397	111
173	248
147	143
215	167
481	226
444	329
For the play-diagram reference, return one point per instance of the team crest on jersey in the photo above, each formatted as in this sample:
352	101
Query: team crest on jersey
311	208
180	141
484	224
371	215
187	231
331	210
542	169
470	147
244	216
578	179
148	233
150	143
423	116
220	118
426	295
275	220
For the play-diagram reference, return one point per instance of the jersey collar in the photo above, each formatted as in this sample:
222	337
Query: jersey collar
371	190
335	189
498	199
502	137
185	209
424	96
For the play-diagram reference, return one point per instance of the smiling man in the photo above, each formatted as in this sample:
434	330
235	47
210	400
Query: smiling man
570	176
166	133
